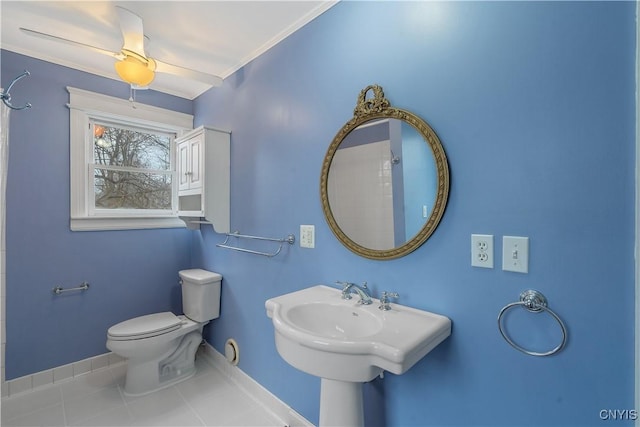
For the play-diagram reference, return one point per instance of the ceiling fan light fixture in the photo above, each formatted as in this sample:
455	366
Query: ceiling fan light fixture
134	71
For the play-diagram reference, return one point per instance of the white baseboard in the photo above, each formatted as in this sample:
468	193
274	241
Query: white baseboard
263	396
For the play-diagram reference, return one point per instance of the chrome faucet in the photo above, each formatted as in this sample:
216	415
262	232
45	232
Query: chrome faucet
384	300
362	291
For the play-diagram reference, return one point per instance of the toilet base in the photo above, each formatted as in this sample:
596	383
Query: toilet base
176	365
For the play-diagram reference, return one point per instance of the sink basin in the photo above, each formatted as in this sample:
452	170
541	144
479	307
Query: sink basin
345	344
321	334
339	322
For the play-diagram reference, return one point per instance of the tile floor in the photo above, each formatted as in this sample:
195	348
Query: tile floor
96	399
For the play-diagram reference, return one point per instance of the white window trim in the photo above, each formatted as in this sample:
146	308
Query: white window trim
84	105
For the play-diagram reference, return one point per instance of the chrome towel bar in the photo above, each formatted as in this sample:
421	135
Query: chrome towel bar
290	239
84	286
534	302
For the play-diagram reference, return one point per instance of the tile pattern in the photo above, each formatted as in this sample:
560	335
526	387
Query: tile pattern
97	399
58	374
362	193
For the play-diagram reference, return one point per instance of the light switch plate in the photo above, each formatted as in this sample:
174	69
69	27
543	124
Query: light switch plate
307	236
515	254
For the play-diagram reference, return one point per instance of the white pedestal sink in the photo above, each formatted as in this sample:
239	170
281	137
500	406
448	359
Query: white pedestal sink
347	344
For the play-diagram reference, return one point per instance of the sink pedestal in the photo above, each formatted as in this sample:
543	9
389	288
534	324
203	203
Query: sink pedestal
341	403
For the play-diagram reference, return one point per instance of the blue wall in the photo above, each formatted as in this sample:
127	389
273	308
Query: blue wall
534	104
131	272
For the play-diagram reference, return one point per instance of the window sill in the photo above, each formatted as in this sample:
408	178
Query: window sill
124	223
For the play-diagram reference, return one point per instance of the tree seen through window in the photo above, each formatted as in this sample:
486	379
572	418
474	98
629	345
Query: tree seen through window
132	168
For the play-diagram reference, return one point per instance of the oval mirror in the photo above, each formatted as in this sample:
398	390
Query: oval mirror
385	180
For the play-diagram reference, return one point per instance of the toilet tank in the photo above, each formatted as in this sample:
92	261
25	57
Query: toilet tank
200	294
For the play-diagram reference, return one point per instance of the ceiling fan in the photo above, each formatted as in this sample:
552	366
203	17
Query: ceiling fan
133	65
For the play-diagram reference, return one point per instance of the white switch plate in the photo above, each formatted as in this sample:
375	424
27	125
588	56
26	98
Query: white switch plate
307	236
515	254
482	250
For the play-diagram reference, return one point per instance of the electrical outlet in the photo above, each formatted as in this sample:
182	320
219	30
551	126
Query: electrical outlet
482	250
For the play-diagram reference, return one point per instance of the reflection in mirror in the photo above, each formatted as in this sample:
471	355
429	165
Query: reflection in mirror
382	184
385	180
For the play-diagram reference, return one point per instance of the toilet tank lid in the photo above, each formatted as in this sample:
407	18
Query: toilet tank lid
199	276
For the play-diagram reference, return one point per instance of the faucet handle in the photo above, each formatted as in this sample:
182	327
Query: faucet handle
384	300
345	289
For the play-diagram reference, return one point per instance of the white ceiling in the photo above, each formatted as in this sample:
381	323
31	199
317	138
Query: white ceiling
216	37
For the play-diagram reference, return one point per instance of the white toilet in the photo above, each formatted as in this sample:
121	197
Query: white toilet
161	347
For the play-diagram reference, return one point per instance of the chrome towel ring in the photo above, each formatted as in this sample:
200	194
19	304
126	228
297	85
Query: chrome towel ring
534	302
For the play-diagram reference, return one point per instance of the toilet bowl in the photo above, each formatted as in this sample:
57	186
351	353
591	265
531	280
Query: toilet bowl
160	347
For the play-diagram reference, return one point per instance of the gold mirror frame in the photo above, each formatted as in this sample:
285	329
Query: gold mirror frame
378	107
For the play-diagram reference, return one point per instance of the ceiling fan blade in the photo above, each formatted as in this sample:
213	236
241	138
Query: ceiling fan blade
132	31
70	42
163	67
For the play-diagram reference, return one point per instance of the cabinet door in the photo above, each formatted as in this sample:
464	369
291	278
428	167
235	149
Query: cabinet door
183	165
195	162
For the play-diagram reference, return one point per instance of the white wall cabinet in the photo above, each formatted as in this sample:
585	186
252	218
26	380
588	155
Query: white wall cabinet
203	174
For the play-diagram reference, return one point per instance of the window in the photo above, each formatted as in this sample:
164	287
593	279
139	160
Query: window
131	169
122	163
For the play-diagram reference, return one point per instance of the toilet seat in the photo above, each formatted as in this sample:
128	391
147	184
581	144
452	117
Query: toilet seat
147	326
